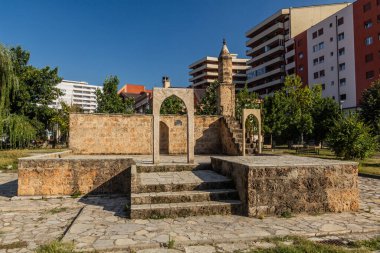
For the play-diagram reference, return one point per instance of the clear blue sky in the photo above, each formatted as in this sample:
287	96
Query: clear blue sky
137	40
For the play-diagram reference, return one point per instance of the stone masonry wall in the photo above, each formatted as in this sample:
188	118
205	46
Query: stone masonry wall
310	188
62	176
132	134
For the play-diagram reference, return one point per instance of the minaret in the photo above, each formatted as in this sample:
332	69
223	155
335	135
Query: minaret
226	90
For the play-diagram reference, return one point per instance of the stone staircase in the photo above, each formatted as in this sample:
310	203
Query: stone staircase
236	132
180	190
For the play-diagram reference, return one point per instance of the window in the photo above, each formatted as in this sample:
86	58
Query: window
322	73
378	36
315	61
369	58
340	21
315	48
368	24
378	18
369	41
342	82
340	36
331	39
330	25
321	59
343	97
342	66
367	7
332	68
300	68
341	51
333	97
378	2
300	55
332	83
332	54
316	75
323	86
369	74
320	32
315	35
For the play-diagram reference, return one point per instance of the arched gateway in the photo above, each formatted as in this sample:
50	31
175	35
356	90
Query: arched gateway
257	114
187	96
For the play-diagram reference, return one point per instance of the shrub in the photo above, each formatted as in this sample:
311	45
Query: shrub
350	138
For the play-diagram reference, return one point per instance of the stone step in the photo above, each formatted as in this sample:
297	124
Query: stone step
182	181
173	210
184	196
149	168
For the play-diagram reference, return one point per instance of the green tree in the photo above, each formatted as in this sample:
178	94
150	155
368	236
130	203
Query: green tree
350	138
245	100
370	107
299	104
109	101
173	105
208	104
16	128
325	112
275	115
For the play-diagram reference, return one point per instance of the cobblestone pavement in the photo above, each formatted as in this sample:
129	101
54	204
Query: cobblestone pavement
99	223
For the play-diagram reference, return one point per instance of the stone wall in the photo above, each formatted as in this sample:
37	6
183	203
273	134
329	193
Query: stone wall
44	175
132	134
314	187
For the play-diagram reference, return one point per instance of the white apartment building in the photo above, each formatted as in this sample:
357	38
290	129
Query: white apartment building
78	93
205	71
331	57
267	41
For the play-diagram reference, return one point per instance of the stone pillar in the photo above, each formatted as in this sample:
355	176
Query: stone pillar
226	90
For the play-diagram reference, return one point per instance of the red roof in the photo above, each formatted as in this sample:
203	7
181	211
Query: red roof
133	89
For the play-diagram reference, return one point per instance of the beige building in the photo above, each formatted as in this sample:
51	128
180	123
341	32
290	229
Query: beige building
205	71
267	40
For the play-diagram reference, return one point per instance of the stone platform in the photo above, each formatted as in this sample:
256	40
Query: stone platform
251	186
291	184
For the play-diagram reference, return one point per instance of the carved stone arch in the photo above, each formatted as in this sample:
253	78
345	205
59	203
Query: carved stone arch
257	114
159	96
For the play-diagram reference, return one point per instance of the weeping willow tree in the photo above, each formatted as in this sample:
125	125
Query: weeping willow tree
15	129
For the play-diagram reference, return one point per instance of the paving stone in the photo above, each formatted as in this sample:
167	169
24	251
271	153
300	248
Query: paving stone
158	251
200	249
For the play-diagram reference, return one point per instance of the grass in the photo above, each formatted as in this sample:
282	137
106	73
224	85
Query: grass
368	166
13	245
301	245
56	247
8	158
57	210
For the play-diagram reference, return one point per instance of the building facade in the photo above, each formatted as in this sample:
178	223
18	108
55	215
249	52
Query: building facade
331	57
77	93
268	41
367	44
205	71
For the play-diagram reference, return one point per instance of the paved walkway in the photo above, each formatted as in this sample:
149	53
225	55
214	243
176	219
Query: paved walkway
99	223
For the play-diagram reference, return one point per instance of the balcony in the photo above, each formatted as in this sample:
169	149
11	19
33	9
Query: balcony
206	66
267	85
203	75
291	65
289	54
266	43
204	81
270	73
275	27
268	63
266	54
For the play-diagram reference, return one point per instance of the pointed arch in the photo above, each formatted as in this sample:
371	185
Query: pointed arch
257	114
187	96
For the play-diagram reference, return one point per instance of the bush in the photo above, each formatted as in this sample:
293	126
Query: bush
351	139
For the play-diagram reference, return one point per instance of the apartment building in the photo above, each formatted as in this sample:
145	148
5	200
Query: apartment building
203	72
367	44
77	93
269	40
331	57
